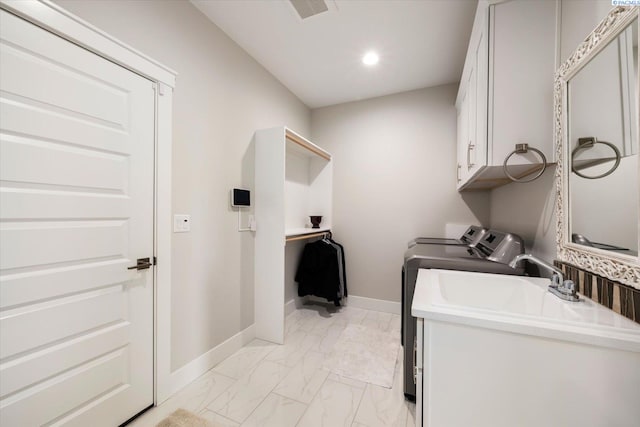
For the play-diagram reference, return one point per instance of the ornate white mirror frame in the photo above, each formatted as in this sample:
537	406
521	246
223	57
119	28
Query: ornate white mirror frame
621	268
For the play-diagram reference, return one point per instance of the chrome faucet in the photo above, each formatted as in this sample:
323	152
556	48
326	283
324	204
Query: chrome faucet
564	289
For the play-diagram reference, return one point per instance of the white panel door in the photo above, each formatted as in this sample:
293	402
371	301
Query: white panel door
76	210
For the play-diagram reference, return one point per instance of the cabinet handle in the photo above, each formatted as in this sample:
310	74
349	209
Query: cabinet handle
470	147
415	367
458	172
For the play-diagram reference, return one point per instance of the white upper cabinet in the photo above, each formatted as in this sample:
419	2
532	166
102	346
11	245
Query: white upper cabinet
506	92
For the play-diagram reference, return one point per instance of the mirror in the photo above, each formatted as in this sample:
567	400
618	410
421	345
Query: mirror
596	127
603	147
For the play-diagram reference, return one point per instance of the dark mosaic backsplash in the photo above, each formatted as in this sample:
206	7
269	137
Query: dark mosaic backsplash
620	298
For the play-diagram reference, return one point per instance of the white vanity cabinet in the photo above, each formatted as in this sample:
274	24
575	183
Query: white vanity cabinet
506	91
496	350
293	180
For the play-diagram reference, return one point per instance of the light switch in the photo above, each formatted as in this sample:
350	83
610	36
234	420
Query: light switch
181	223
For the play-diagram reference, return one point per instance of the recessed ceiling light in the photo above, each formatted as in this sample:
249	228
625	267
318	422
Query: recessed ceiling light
370	58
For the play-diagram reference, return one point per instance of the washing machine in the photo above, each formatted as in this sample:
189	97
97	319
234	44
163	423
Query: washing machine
470	237
491	254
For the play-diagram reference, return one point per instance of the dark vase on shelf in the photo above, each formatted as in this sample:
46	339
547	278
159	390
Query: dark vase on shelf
316	220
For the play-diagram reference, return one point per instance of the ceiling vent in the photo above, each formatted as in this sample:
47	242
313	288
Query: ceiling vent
307	8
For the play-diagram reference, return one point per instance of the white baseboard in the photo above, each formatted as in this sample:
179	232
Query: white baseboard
200	365
374	304
354	301
289	307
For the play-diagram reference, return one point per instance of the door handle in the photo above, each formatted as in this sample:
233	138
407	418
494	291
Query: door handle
141	264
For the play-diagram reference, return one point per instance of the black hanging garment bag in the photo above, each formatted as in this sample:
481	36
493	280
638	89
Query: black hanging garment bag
318	273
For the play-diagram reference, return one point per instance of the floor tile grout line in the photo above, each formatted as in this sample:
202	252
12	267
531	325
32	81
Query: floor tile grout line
254	409
355	414
318	391
312	399
221	416
217	372
272	391
314	395
236	380
251	366
290	398
206	406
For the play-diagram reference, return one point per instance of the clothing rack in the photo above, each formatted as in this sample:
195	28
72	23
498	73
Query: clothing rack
321	268
322	234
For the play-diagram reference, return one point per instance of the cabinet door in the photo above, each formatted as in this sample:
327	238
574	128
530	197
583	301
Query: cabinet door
462	139
471	142
472	125
478	85
522	65
419	372
458	145
481	85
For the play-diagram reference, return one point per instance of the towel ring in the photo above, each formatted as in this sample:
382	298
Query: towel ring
521	149
589	142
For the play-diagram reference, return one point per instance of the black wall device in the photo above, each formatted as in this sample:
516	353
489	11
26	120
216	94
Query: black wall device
240	198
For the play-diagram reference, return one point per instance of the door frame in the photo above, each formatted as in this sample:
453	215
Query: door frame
57	20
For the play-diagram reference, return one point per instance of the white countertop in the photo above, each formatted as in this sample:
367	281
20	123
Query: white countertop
520	305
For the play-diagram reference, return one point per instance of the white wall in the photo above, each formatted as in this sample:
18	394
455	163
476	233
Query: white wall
222	96
528	209
394	163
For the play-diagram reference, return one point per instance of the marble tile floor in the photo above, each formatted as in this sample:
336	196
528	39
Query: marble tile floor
265	384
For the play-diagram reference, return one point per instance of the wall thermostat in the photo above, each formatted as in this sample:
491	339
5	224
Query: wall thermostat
240	198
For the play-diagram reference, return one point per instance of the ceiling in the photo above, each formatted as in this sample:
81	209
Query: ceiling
421	43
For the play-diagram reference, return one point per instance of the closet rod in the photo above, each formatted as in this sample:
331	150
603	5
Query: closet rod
307	236
308	145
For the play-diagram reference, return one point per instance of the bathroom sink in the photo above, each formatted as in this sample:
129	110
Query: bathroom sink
512	294
519	304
